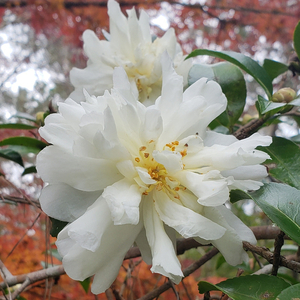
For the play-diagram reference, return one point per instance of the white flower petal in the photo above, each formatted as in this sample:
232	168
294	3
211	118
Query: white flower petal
256	172
170	160
230	244
152	126
62	202
215	138
119	30
105	262
209	192
144	175
127	169
171	94
82	173
164	260
91	79
176	216
142	242
123	199
243	231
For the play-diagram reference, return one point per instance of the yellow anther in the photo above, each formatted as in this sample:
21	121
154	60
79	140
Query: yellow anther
146	154
137	159
143	148
183	153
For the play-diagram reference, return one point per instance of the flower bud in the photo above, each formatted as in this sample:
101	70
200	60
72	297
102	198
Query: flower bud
246	118
284	95
40	117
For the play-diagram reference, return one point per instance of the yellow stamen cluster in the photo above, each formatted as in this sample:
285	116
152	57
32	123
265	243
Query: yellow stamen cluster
157	171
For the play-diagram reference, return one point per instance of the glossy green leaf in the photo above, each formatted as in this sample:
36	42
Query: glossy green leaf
57	226
250	287
297	39
17	126
29	170
24	141
245	63
281	203
265	106
284	164
12	155
274	68
237	195
233	86
290	293
86	284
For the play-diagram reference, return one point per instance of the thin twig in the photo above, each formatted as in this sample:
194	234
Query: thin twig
20	289
186	272
246	130
268	255
22	237
279	241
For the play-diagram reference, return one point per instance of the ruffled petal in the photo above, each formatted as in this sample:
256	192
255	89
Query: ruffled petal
230	244
82	173
170	160
243	231
210	191
62	202
153	125
164	260
92	80
176	216
123	199
106	260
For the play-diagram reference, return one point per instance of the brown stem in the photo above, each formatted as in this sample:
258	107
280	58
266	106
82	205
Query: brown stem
186	272
268	255
279	241
246	130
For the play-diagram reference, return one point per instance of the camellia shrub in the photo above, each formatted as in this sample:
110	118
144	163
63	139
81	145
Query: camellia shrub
150	152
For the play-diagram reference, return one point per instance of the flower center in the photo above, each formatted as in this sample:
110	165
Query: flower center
162	180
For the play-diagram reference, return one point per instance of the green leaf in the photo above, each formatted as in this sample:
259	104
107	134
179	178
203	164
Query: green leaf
237	195
12	155
265	106
24	141
297	39
281	203
245	63
233	86
57	226
274	68
86	284
284	164
17	126
250	287
220	261
291	293
29	170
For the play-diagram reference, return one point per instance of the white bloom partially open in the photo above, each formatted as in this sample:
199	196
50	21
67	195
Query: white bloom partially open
121	172
130	46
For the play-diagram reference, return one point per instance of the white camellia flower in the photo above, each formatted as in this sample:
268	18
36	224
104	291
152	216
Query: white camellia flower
129	45
122	173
